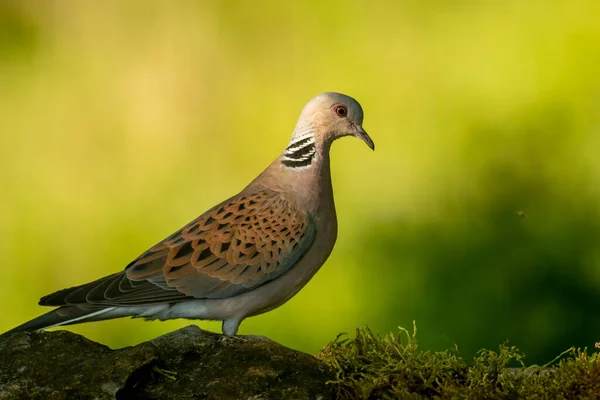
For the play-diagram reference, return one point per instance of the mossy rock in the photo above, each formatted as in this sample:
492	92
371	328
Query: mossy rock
393	367
190	363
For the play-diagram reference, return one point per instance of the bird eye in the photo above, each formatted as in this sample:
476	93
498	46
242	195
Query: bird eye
340	110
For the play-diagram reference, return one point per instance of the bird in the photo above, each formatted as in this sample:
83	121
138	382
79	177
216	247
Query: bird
243	257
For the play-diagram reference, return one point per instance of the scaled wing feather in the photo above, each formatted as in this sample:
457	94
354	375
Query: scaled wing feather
233	248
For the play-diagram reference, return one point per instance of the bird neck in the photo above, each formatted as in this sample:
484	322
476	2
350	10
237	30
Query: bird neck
304	170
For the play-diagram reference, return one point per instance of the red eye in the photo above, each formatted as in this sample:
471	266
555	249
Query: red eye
340	110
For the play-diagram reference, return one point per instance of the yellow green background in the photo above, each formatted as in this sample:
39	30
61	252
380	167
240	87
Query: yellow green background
478	215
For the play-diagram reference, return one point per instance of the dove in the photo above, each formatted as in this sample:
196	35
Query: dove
243	257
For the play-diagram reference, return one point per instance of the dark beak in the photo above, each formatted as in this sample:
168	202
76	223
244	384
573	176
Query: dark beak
360	133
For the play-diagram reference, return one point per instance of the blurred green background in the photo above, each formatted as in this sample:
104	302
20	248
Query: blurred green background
478	215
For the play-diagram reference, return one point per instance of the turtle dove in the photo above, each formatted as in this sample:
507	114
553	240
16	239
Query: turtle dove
243	257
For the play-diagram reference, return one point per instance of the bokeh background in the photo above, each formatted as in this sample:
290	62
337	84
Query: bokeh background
478	215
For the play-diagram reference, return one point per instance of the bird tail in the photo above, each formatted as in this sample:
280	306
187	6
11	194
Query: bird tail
65	315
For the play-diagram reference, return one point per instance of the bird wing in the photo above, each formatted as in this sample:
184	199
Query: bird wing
231	249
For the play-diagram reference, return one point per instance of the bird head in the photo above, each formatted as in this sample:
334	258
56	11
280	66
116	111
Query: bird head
331	116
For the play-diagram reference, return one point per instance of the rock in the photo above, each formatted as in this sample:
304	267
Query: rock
188	363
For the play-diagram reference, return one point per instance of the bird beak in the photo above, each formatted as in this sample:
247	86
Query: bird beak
360	133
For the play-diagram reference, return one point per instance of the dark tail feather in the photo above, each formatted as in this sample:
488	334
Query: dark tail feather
62	316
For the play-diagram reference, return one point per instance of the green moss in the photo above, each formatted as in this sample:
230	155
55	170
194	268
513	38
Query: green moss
371	367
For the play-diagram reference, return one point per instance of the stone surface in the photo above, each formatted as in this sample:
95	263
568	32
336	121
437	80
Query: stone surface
188	363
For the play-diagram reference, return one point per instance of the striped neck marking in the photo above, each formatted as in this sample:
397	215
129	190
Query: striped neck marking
300	152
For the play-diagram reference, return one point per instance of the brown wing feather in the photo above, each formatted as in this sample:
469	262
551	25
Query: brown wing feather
238	243
232	248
